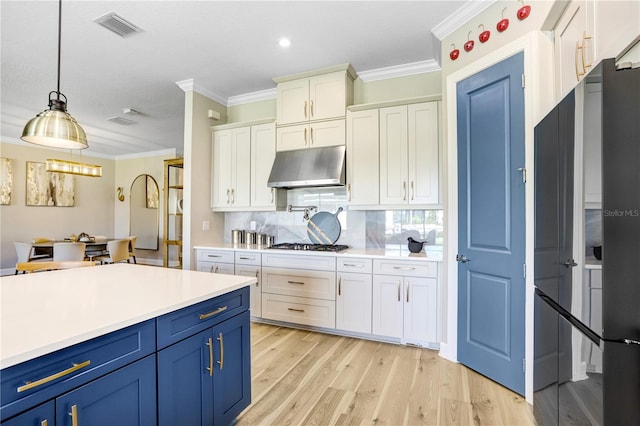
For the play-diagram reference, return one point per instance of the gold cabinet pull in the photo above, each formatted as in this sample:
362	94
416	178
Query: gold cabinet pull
398	291
221	340
305	137
404	190
257	280
584	52
210	367
305	109
406	289
227	195
210	314
312	113
44	423
578	73
311	138
74	415
296	282
295	310
233	196
31	385
340	286
412	191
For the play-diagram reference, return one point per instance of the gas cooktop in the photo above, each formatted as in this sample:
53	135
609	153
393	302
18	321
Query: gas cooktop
309	247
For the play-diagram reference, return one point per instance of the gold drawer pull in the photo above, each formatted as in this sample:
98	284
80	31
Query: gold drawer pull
44	423
74	415
210	314
296	310
296	282
31	385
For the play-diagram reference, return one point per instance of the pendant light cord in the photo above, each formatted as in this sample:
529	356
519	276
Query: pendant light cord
59	43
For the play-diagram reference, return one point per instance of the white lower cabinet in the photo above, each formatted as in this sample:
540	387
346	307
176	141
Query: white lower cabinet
249	264
215	261
353	300
405	304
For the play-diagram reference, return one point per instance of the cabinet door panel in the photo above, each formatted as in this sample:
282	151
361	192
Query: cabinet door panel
327	96
420	311
256	289
292	137
363	158
185	386
393	155
240	162
387	305
263	152
353	302
232	381
569	60
41	415
222	173
327	133
124	397
424	154
293	101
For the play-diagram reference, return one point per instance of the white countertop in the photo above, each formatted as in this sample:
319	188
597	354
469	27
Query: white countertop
433	255
47	311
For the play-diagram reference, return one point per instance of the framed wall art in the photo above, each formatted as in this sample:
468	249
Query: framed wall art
6	181
153	197
47	188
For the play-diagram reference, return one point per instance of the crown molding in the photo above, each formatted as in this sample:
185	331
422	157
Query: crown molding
460	17
261	95
399	70
190	85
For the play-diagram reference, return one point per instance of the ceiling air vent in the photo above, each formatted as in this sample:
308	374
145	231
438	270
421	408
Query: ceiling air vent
117	24
121	121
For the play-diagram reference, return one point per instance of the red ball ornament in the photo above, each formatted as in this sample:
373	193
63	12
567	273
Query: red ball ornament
523	12
455	53
468	46
503	24
484	35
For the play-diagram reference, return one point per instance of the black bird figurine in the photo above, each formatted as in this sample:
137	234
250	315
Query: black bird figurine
415	246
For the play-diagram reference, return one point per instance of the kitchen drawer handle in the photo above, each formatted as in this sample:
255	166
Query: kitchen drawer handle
340	286
257	280
296	310
247	258
405	268
210	314
31	385
74	415
214	255
407	291
398	291
210	367
221	340
354	265
296	282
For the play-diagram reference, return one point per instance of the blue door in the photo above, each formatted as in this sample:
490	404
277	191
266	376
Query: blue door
491	215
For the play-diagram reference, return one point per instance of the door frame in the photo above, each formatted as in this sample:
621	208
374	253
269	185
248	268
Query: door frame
539	70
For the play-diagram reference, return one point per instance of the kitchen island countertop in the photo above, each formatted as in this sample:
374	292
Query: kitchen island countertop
47	311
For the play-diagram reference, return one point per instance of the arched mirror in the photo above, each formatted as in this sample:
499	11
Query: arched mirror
143	216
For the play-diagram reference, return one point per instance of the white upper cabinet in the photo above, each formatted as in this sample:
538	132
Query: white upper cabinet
409	154
319	97
363	158
589	31
242	156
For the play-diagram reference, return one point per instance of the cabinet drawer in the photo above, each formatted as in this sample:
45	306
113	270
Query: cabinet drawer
32	382
225	256
319	284
300	261
407	269
299	310
248	258
186	322
359	265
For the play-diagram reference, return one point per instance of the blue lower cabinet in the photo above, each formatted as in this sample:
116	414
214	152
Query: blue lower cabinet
125	397
42	415
232	381
206	378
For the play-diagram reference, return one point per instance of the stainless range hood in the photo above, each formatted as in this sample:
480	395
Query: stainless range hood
308	168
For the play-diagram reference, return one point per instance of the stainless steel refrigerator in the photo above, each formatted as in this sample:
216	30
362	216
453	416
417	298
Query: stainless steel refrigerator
566	390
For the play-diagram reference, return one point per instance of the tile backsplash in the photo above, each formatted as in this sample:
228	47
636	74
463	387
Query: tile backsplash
372	229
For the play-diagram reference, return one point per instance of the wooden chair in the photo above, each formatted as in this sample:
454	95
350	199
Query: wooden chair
29	267
132	248
68	251
118	252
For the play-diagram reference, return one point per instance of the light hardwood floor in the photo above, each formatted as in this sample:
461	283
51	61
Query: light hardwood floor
306	378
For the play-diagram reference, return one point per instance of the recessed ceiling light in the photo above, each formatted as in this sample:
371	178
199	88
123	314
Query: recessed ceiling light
284	42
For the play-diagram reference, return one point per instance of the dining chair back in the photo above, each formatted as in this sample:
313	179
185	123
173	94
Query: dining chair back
68	251
93	251
29	267
118	251
132	248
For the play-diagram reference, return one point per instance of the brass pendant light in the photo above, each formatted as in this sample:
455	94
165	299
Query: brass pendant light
55	127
